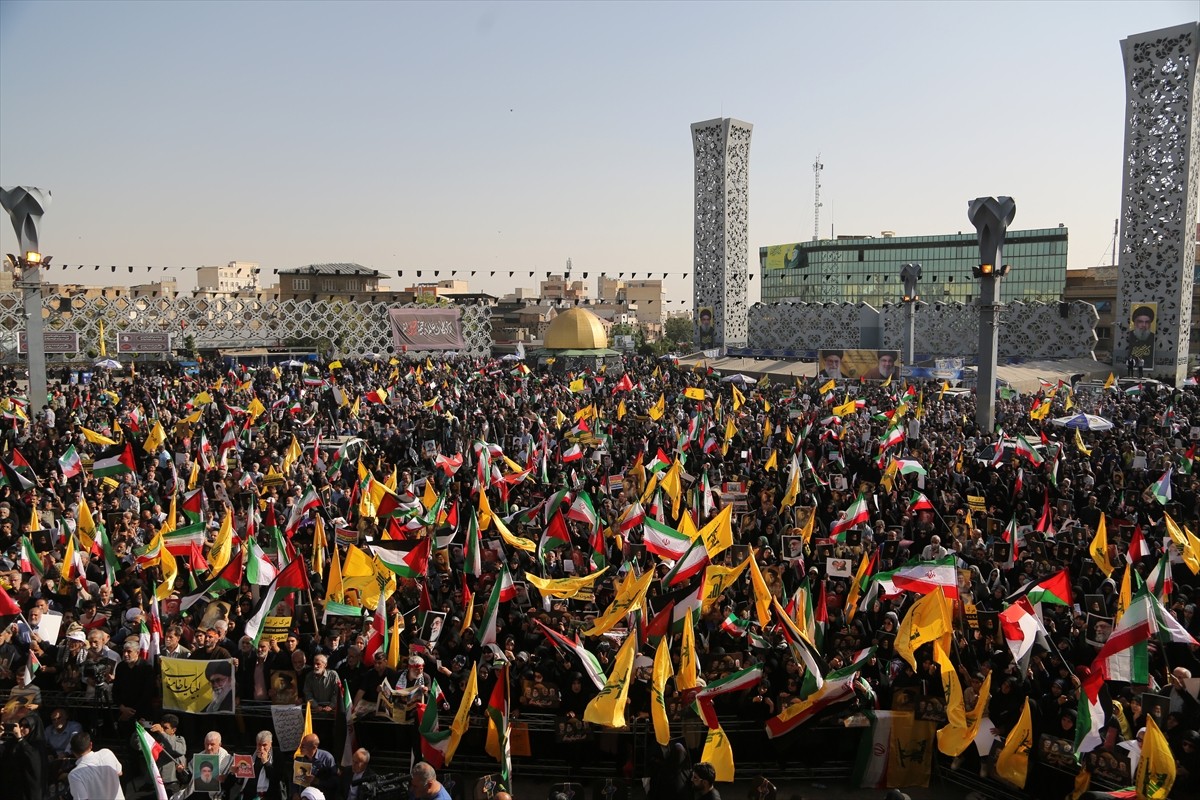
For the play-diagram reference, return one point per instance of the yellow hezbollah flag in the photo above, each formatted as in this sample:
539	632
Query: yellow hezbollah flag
828	386
956	711
672	483
685	678
563	588
157	437
630	595
621	410
694	393
1112	380
657	410
608	707
333	586
221	550
1125	596
658	685
170	571
772	462
576	386
1156	768
1098	549
358	575
910	751
717	579
96	438
738	398
307	726
291	455
845	409
718	533
953	741
927	620
519	542
762	595
1013	762
85	525
393	652
462	718
718	753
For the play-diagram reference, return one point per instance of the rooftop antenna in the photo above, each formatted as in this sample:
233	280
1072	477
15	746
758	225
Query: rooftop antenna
817	167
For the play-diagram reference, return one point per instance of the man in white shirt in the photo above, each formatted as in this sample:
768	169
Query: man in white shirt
97	774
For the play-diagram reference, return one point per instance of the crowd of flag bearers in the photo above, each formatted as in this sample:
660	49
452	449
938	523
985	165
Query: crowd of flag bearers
875	560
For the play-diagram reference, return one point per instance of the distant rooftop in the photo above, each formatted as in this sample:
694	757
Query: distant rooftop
331	269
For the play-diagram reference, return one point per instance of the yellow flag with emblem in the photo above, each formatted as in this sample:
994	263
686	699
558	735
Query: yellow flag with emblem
1080	446
222	548
519	542
762	595
1111	382
828	386
462	719
1098	549
630	594
718	532
155	438
658	686
85	525
686	676
952	741
1125	596
719	753
694	393
96	438
576	386
657	410
767	430
671	482
845	409
1013	762
608	707
793	490
291	455
929	619
563	588
772	462
717	579
739	399
1156	768
956	711
621	410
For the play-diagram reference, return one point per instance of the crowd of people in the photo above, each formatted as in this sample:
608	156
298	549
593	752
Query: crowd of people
506	516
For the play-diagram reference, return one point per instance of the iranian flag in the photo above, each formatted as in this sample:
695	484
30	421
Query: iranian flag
838	688
377	635
1161	489
919	502
633	516
663	540
893	437
1055	590
1138	547
472	562
502	591
119	463
497	714
30	561
689	565
310	500
412	564
1025	450
737	682
70	463
689	603
572	453
1159	582
583	511
292	578
856	514
591	665
448	464
1020	627
926	576
434	742
151	750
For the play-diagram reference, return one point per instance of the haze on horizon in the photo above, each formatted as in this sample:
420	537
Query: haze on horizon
511	136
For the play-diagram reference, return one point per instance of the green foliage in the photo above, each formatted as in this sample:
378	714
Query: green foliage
678	330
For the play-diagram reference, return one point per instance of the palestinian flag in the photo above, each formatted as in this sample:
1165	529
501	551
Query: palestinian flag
735	625
555	535
1055	590
926	576
658	626
151	751
497	714
1188	460
907	466
591	665
919	502
70	463
9	610
119	463
30	562
193	504
377	636
659	463
856	514
292	578
229	578
1138	547
1161	489
412	564
663	540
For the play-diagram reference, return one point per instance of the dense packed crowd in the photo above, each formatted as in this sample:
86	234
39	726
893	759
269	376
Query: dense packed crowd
429	531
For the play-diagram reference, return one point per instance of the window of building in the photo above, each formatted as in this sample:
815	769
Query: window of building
300	284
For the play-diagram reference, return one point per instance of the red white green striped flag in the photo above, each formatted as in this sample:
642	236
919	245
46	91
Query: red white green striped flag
919	502
856	514
119	463
70	463
472	563
412	564
735	682
30	561
151	750
1025	450
497	713
591	665
663	540
689	564
310	500
1055	590
292	578
925	576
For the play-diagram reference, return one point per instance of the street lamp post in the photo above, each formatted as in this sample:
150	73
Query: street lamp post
991	217
909	274
25	206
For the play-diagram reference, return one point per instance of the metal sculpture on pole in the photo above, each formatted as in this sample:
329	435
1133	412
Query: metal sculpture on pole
25	206
991	217
909	275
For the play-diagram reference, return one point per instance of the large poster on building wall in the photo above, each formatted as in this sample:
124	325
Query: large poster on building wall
426	329
782	256
1143	324
871	365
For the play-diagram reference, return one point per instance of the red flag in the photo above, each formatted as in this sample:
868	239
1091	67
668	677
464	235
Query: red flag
624	385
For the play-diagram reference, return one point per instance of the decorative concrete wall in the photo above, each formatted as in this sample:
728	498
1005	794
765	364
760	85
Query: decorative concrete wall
1028	330
1161	167
348	329
722	193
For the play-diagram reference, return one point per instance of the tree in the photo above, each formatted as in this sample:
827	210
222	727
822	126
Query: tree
678	329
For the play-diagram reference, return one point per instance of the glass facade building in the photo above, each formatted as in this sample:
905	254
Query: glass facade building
868	270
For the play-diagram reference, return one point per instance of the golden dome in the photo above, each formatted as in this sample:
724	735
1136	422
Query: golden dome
576	329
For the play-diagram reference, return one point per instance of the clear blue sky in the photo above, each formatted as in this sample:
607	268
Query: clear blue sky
511	136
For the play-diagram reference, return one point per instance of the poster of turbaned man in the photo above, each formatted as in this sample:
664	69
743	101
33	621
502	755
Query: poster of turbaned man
198	687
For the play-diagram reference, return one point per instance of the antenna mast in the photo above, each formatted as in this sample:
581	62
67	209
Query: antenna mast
817	167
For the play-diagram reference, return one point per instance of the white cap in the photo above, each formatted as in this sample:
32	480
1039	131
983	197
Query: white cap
312	793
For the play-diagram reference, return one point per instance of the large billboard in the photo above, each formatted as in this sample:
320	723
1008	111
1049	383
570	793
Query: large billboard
426	329
871	365
1143	324
135	342
782	256
706	329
